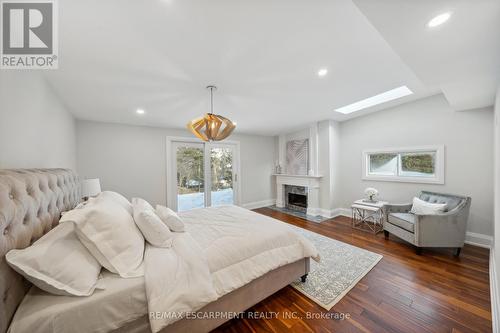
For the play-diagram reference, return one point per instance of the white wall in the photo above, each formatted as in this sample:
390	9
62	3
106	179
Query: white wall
496	225
36	130
132	160
467	136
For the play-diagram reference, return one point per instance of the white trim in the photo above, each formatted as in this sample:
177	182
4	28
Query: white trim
439	167
259	204
495	305
480	240
343	212
329	213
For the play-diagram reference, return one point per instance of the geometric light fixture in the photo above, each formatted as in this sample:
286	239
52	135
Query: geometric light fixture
211	127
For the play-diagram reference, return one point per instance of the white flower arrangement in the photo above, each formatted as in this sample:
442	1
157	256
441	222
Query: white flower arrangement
371	193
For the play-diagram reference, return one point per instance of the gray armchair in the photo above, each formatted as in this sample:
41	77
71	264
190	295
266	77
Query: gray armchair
440	230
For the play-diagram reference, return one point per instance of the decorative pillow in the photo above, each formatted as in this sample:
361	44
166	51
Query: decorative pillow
421	207
152	228
118	198
108	231
170	218
57	263
143	204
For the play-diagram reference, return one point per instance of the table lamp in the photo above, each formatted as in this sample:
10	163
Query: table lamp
90	188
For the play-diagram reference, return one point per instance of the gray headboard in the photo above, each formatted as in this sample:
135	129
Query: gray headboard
31	201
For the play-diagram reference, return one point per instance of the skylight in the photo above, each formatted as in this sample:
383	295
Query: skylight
375	100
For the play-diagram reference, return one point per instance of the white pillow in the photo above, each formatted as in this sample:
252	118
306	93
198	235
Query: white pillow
118	198
57	263
152	228
143	204
421	207
170	218
108	231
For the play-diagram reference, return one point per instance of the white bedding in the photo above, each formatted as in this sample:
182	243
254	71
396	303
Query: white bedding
236	245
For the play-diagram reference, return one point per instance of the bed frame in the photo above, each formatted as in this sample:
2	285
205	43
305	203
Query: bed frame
31	203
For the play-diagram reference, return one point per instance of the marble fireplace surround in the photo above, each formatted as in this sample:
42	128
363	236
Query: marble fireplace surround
312	185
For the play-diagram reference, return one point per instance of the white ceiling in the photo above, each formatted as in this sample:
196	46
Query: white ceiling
120	55
460	57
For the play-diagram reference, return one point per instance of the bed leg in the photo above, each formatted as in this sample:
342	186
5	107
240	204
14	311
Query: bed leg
303	278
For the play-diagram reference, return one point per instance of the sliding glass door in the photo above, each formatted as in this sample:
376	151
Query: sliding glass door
222	175
190	175
205	174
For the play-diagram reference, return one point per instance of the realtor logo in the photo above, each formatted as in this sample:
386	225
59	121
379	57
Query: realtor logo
29	34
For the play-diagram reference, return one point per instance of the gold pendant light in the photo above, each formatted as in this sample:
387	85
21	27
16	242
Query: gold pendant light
211	127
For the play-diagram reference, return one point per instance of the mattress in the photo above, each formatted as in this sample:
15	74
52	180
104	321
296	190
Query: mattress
236	242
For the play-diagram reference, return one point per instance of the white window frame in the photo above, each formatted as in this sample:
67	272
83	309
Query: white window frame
439	166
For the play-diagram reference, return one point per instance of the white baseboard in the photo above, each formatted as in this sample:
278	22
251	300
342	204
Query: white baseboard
259	204
329	213
342	212
495	306
480	240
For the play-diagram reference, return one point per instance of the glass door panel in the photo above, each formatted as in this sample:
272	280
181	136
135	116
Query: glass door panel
206	174
222	175
190	172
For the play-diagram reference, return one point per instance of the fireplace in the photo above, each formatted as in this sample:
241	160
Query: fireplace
296	198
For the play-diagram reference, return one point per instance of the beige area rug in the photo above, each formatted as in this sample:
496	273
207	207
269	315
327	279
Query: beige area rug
339	270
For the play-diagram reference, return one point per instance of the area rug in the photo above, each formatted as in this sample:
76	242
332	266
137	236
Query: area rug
340	268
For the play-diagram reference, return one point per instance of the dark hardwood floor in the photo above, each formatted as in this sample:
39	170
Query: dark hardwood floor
404	292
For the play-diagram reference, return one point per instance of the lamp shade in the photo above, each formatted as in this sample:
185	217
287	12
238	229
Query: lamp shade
91	187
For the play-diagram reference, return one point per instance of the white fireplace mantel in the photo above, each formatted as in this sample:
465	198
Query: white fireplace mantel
296	176
312	184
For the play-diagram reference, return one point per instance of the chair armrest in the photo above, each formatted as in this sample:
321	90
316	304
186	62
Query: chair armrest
397	208
445	229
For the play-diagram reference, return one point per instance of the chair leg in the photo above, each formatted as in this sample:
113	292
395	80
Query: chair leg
418	250
303	278
457	251
386	234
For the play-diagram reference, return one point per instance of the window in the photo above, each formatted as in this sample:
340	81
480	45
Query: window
416	164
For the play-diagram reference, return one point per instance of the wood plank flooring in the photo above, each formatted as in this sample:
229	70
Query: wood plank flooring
404	292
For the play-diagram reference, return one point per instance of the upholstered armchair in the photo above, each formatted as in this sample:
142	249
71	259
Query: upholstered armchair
440	230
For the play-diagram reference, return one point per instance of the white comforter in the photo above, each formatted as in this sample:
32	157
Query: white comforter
242	245
223	249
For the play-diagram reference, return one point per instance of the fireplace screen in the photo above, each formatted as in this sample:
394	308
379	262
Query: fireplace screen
297	199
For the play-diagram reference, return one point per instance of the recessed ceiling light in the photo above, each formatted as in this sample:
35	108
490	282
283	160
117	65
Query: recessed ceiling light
322	72
140	111
438	20
377	99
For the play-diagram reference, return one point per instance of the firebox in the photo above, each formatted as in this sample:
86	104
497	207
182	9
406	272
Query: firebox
297	200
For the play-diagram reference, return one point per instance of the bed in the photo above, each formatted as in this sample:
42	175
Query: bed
31	202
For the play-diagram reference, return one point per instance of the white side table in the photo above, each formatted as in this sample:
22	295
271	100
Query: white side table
368	216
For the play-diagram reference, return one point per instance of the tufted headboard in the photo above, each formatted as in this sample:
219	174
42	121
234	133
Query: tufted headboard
31	201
